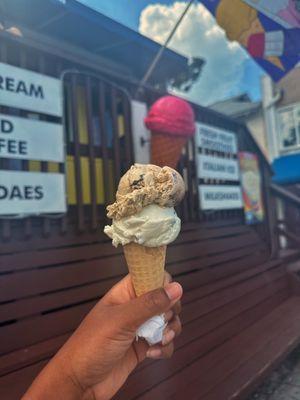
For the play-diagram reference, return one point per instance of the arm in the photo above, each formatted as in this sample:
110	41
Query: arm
98	358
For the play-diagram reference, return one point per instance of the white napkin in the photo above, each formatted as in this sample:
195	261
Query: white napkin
152	330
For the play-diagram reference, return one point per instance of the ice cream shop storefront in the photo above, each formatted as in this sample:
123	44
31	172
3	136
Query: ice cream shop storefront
72	121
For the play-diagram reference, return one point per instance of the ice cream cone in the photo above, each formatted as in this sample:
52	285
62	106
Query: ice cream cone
146	266
144	213
171	121
166	149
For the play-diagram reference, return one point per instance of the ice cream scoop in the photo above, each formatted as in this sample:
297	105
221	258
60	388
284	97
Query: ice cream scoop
143	185
153	226
171	115
171	121
145	222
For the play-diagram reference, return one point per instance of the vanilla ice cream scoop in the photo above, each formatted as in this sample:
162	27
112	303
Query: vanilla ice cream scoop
153	226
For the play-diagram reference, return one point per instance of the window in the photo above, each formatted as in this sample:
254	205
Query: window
289	127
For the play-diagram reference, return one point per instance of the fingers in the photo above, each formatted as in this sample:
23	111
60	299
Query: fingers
157	351
177	308
166	349
120	293
167	278
169	315
168	336
123	291
172	330
139	310
141	347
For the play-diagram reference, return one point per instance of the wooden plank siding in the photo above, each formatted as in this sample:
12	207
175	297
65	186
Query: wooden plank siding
41	272
41	302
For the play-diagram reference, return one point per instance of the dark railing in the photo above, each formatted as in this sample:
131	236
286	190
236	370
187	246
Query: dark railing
285	194
289	235
287	223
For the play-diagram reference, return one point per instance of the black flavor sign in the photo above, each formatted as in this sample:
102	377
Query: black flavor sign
27	90
31	193
27	139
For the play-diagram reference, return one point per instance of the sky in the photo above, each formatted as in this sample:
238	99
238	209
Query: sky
228	71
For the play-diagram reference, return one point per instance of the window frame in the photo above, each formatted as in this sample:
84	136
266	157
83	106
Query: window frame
295	107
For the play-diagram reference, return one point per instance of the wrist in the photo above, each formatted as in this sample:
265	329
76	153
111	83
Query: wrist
70	379
55	381
64	364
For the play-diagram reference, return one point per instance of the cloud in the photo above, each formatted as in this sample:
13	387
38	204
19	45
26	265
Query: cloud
199	36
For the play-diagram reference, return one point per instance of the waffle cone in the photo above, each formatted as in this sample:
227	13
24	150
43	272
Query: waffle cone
166	149
146	266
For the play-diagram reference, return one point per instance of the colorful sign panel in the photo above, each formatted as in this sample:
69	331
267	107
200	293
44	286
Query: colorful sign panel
220	197
27	139
268	29
251	187
31	193
27	90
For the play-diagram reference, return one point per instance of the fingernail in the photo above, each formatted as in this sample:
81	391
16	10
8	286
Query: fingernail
173	290
154	353
168	337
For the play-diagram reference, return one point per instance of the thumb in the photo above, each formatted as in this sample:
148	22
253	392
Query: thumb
156	302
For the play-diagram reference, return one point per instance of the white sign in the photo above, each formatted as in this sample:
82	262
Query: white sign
210	167
31	193
220	197
216	139
28	90
29	139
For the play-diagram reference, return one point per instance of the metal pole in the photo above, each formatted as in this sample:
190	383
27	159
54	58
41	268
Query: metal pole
163	47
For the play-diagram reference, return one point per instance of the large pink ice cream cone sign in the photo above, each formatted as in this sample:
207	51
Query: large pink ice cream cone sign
171	121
